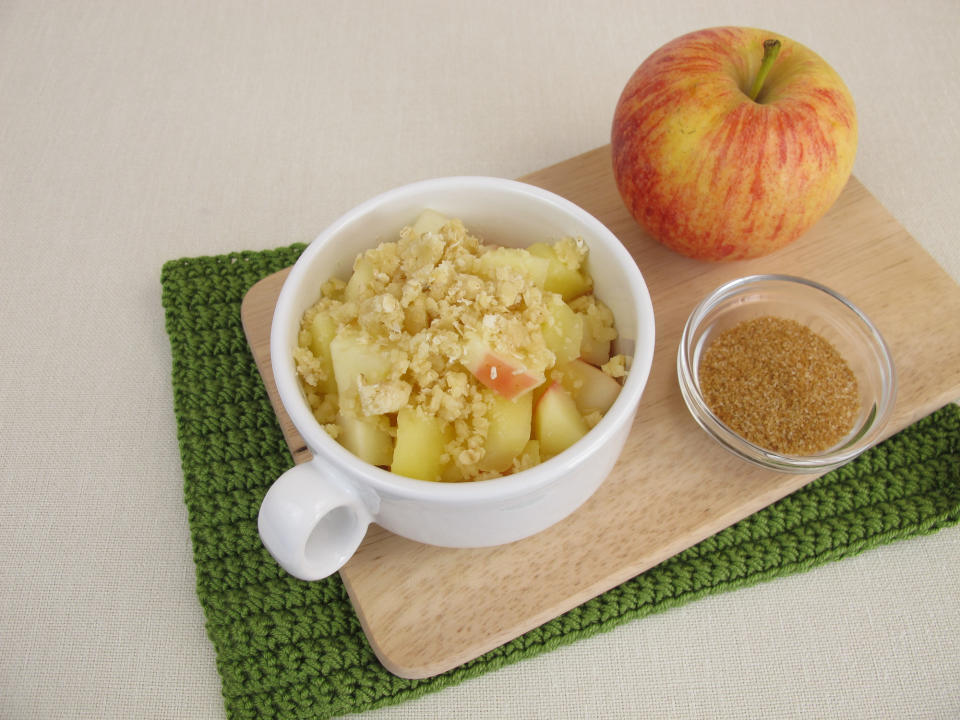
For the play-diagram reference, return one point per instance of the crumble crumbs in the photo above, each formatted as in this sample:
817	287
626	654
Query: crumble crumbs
417	302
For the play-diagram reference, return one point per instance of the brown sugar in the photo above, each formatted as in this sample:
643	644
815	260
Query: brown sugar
779	385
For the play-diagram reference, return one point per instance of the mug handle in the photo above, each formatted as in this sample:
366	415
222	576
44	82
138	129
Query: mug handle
312	522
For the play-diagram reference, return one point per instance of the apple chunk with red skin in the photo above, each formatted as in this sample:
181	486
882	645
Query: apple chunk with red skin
729	143
499	373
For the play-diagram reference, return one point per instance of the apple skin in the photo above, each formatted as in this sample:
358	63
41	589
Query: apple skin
496	372
715	175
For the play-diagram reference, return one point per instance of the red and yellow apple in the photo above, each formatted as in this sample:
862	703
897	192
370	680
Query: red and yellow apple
728	143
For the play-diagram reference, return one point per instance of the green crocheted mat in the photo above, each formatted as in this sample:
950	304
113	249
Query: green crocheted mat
291	649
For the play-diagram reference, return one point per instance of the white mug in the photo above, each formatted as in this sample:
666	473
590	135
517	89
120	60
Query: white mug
315	515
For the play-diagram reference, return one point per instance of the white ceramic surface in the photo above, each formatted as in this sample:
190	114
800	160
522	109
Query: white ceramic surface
315	516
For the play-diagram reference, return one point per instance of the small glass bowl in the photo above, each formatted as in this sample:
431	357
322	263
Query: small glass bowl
825	313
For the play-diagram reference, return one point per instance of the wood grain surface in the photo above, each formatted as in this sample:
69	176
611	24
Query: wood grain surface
426	609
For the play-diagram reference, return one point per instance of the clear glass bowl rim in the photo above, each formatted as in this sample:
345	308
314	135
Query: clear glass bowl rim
743	448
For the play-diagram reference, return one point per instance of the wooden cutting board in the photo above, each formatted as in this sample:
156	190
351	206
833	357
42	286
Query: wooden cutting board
426	609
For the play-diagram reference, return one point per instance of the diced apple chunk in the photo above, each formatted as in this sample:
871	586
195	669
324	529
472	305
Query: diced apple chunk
557	424
530	455
323	328
509	431
360	280
503	375
540	389
352	356
591	388
561	279
517	259
594	347
429	221
451	473
562	331
367	438
419	447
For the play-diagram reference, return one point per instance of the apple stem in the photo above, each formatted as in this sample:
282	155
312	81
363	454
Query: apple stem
771	48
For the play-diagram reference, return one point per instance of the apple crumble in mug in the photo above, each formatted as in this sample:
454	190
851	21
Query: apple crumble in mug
463	384
444	358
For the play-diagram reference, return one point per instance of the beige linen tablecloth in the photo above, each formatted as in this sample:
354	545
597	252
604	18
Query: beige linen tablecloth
132	133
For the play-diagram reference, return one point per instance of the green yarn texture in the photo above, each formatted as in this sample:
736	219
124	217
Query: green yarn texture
292	649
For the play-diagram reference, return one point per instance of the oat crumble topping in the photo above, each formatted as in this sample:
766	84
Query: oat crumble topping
418	302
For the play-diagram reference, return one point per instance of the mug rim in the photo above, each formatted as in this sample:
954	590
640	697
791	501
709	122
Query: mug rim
516	484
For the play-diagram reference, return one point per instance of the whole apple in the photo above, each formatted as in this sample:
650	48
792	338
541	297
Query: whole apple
728	143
